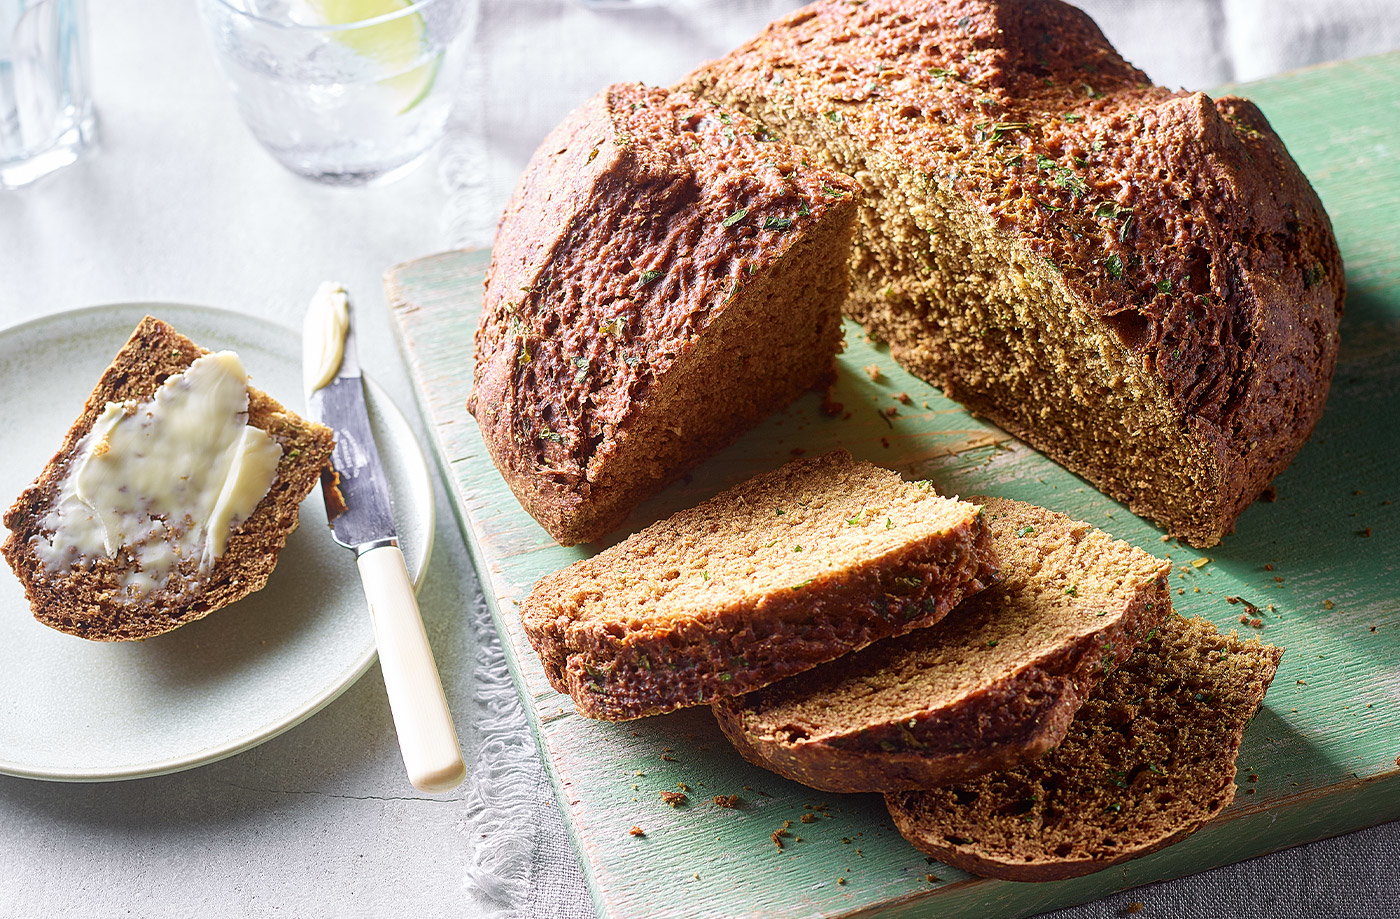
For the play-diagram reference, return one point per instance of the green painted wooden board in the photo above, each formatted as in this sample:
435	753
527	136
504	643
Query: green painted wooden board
1324	748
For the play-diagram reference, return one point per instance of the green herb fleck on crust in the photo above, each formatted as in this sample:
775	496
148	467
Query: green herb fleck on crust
993	133
648	276
776	223
1114	264
735	217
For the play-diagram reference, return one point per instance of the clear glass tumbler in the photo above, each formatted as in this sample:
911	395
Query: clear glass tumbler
345	92
46	115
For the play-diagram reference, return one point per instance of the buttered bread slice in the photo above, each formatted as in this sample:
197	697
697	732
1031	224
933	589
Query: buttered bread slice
171	495
781	573
996	683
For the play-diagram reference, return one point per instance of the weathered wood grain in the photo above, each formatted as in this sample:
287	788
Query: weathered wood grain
1320	563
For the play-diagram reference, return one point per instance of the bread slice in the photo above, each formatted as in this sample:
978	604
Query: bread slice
1148	761
992	685
780	573
86	601
666	275
1139	282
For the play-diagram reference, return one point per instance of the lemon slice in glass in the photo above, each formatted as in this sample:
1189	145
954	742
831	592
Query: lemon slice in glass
397	44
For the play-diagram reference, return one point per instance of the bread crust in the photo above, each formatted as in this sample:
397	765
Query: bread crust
80	602
1177	224
666	275
1008	720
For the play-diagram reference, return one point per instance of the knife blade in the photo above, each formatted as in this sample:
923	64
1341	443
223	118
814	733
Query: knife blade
354	488
361	515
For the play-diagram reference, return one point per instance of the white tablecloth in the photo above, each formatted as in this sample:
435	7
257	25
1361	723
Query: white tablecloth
182	205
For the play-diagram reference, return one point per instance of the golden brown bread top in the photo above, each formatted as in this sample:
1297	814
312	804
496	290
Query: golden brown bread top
1181	221
636	222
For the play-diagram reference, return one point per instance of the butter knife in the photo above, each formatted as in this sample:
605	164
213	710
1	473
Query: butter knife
362	520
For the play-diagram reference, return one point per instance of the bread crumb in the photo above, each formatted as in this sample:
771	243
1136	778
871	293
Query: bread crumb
636	831
903	397
1135	907
1328	604
669	758
891	411
674	798
1365	533
809	818
683	786
1268	567
873	371
841	881
1200	562
931	878
730	801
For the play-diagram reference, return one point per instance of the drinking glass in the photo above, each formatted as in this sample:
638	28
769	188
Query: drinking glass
46	116
345	92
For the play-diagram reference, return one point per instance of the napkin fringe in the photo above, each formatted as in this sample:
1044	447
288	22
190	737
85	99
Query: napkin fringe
500	797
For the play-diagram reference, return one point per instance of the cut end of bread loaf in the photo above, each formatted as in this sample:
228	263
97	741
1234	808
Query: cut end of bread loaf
88	601
666	275
994	684
1149	760
1138	282
781	573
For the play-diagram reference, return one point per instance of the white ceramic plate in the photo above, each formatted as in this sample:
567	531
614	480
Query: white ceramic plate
77	710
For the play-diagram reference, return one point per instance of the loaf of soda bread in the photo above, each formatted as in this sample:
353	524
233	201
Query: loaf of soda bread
1139	282
666	274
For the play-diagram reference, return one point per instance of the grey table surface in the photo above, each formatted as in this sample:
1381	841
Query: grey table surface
181	205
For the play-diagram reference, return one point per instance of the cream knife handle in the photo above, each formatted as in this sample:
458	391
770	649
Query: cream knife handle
427	736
